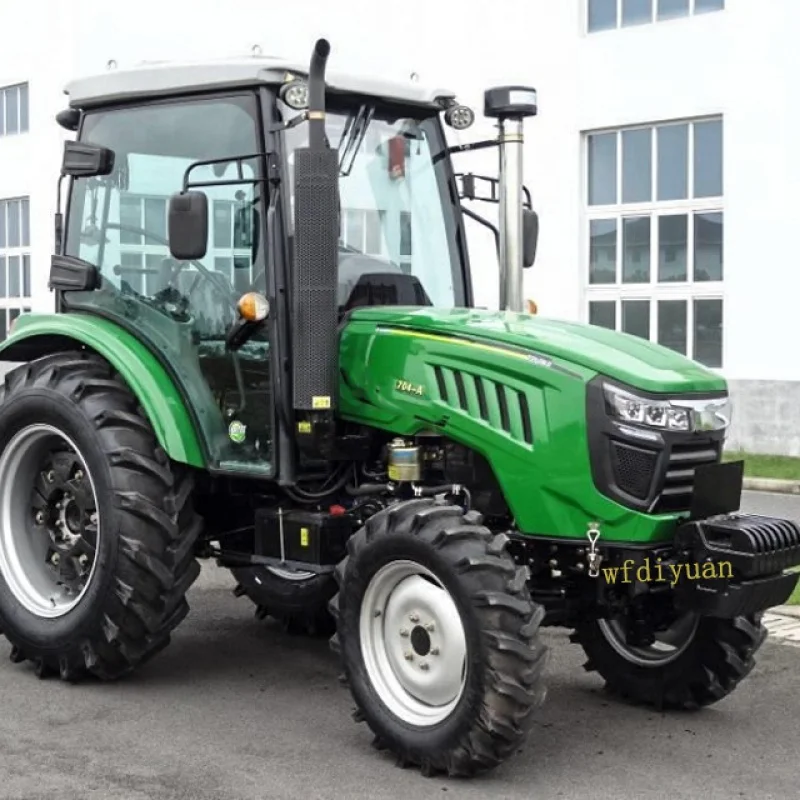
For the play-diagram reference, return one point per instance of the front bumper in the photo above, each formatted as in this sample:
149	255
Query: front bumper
749	556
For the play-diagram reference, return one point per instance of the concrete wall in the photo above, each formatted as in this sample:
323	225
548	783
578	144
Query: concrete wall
766	417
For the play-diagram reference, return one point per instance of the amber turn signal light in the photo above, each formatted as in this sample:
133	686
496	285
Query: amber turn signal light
253	307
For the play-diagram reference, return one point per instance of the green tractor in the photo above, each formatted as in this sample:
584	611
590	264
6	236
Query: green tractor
266	351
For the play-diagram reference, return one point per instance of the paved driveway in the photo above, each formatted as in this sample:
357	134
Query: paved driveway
235	709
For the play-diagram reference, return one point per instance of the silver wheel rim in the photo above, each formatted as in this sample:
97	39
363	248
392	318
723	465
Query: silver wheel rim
413	643
49	523
668	646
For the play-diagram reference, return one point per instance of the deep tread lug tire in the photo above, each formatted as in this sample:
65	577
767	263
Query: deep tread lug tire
301	607
148	526
718	658
505	657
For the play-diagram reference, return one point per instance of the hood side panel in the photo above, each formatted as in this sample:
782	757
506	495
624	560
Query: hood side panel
527	418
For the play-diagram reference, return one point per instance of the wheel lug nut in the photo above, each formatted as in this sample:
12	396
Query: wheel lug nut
39	518
55	558
51	476
78	474
434	651
409	655
430	627
83	560
423	665
414	617
404	631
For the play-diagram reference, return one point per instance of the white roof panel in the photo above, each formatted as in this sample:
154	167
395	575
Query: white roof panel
174	78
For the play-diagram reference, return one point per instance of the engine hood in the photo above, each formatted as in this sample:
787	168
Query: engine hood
628	359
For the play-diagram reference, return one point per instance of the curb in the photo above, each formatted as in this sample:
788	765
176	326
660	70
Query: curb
772	485
786	611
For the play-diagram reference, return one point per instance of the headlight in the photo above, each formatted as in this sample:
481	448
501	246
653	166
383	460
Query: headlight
677	414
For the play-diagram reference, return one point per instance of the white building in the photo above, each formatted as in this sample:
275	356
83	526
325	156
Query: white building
662	161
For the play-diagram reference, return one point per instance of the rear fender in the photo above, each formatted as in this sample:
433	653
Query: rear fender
37	335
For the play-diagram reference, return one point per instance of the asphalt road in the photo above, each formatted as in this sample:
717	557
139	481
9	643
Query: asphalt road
236	709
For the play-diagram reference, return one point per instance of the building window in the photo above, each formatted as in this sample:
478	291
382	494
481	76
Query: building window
15	260
604	15
13	109
654	227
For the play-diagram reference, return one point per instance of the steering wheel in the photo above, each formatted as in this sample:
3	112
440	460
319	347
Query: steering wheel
214	278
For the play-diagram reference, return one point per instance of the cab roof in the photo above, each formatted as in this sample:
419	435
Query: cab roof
163	79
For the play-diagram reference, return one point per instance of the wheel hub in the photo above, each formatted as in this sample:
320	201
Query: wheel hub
48	521
414	643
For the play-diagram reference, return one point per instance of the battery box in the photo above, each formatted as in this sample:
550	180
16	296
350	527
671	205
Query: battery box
312	537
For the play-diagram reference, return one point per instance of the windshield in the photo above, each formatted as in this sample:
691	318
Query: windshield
397	215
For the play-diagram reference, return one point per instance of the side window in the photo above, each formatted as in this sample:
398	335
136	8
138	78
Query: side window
123	220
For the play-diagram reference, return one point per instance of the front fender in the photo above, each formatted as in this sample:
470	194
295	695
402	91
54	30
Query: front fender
37	335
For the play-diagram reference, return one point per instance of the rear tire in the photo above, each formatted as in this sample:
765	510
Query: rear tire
708	665
94	507
439	638
299	603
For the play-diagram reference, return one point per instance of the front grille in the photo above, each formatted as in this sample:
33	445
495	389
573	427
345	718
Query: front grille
502	406
675	491
634	468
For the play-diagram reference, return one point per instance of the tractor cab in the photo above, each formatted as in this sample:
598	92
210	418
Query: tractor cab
188	225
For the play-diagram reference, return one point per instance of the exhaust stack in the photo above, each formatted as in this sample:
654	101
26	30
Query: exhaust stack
314	279
510	105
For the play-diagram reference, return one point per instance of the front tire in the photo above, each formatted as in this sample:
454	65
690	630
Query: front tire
704	664
439	638
97	529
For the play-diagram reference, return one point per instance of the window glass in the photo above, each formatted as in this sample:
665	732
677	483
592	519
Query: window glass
672	324
708	332
703	6
603	313
13	231
708	238
670	9
602	169
636	318
637	171
637	12
636	250
14	276
708	159
602	15
23	108
12	109
672	248
396	204
602	251
673	157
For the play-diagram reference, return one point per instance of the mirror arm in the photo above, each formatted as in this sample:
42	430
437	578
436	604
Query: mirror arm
485	222
465	148
239	333
210	162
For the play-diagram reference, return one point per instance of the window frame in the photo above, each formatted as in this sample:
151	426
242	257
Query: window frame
652	290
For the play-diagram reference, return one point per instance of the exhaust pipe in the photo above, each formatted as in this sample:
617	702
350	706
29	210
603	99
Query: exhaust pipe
510	105
315	343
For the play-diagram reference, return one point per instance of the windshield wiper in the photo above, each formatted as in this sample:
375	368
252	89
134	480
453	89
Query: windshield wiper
353	137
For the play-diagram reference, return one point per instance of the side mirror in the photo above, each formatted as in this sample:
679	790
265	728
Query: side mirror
530	236
188	225
85	160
